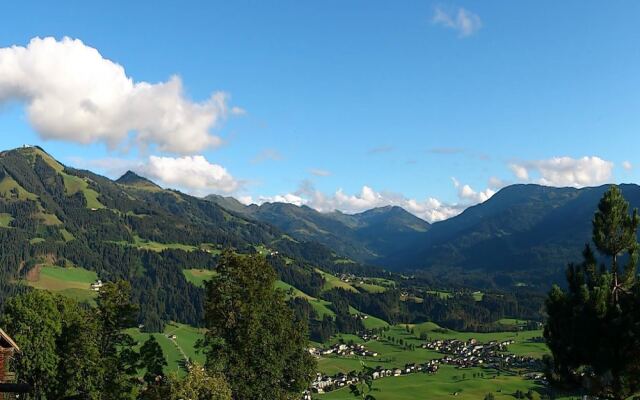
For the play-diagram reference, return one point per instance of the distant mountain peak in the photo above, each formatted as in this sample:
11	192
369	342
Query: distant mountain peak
130	178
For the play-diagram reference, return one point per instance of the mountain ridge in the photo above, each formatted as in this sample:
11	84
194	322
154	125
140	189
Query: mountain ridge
363	237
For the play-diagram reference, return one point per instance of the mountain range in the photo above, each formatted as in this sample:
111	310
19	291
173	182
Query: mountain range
524	233
365	237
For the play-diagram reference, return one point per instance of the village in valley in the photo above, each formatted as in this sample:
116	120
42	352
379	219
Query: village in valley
483	359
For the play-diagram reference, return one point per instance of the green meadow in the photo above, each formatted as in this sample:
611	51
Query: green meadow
74	184
447	383
72	282
144	244
5	219
175	350
332	282
197	276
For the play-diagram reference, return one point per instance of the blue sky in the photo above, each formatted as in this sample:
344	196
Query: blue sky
430	105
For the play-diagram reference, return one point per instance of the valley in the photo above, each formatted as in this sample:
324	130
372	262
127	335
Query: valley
65	229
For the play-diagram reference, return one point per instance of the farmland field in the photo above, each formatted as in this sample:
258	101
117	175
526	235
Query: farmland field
332	282
73	282
320	306
174	350
197	276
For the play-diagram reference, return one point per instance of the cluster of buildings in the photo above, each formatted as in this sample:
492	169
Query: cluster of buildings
324	383
467	354
341	349
459	353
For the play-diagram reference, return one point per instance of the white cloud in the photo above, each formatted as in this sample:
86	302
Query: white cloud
319	172
468	195
627	165
429	209
191	173
73	93
521	172
285	198
565	171
461	20
496	183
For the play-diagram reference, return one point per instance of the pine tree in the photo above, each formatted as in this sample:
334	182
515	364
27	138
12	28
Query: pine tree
593	328
152	359
614	233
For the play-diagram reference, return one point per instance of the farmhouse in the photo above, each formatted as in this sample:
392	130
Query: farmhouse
97	285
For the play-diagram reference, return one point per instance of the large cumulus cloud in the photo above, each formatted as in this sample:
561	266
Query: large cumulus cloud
73	93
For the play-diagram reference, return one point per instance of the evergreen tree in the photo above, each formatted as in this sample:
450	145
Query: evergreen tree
615	232
252	335
593	328
152	359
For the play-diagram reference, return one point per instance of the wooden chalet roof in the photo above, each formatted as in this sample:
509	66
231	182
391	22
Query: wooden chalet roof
7	342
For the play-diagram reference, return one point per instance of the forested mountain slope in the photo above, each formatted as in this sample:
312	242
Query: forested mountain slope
364	237
524	232
127	229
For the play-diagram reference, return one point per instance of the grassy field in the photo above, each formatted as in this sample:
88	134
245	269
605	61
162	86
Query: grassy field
197	276
48	219
10	189
66	235
370	322
334	282
174	350
448	383
144	244
319	305
72	281
74	184
443	294
5	219
370	287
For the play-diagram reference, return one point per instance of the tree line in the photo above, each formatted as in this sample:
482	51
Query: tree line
254	347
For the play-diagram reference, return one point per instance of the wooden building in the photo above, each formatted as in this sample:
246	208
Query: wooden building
7	349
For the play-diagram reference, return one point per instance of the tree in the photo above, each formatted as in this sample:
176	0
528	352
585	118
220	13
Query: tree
199	385
252	336
152	359
116	313
615	232
34	321
59	343
593	327
80	370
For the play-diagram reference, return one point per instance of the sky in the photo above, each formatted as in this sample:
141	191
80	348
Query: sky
348	105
